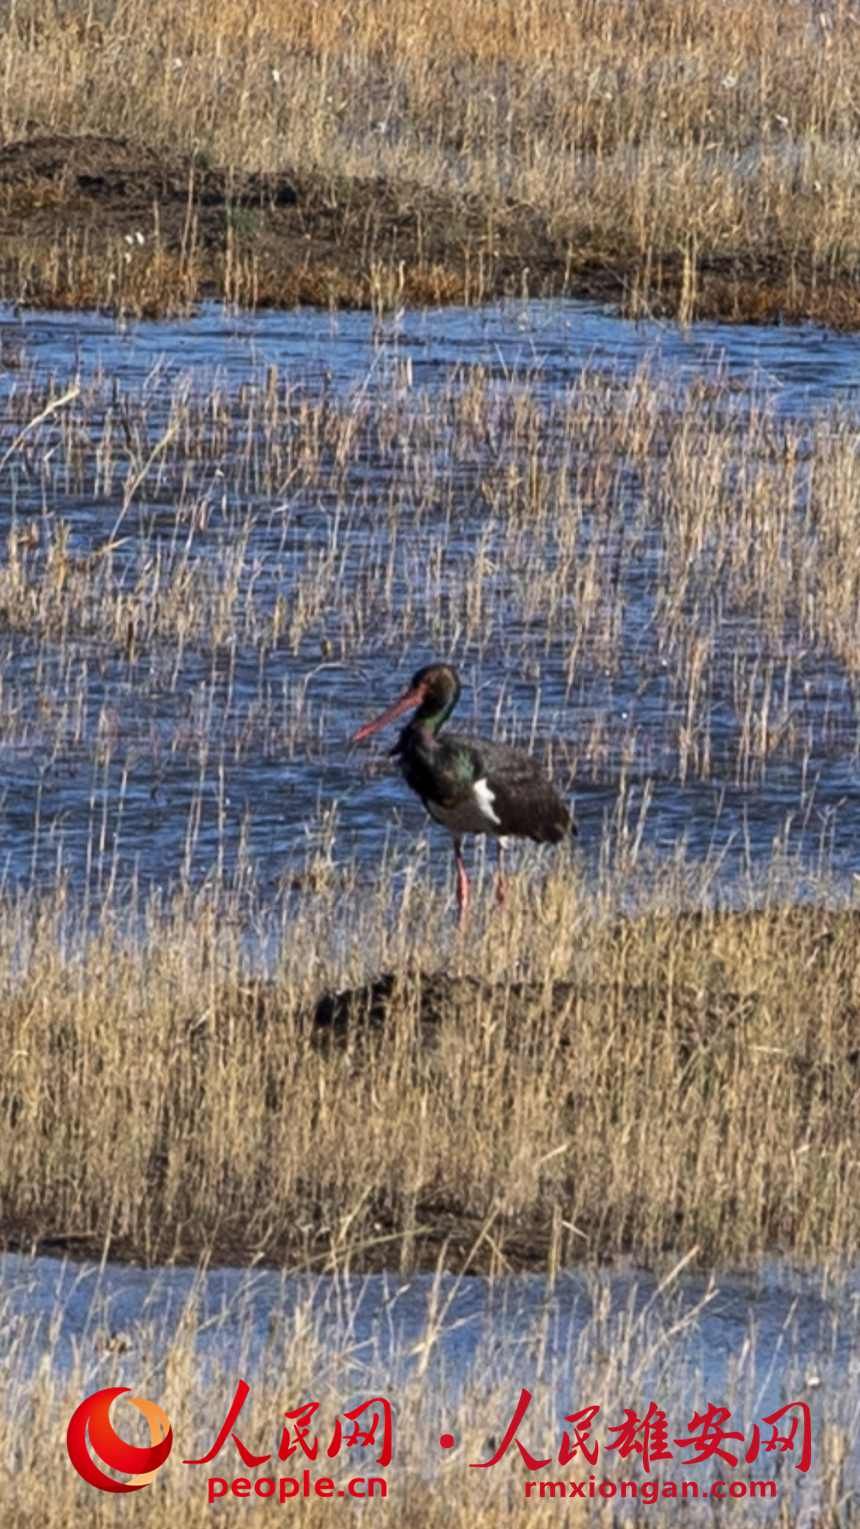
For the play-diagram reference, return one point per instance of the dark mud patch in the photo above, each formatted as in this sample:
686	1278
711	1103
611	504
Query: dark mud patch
77	172
67	205
97	222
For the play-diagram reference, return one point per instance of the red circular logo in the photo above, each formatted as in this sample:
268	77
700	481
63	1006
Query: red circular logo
90	1432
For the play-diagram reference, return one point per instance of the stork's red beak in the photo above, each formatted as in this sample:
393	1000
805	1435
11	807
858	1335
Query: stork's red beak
407	701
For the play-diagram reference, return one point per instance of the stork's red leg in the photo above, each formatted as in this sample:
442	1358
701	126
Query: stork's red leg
501	884
462	882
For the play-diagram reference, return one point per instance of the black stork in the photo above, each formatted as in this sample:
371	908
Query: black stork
469	785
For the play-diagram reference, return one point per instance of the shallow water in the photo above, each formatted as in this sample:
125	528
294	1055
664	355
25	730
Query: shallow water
800	1317
750	1342
800	367
152	767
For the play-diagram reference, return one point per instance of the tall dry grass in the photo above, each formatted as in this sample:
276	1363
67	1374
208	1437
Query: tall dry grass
568	1084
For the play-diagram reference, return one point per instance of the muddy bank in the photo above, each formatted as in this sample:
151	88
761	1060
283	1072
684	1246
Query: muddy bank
271	240
97	222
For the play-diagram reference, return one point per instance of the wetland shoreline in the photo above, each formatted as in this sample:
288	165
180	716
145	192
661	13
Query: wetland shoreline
102	223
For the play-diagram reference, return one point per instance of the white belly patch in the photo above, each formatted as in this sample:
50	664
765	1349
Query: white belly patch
475	815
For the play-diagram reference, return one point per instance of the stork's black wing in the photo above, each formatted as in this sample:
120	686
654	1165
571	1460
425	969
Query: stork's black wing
523	798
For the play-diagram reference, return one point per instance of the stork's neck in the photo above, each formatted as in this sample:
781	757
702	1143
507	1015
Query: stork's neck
420	736
418	741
